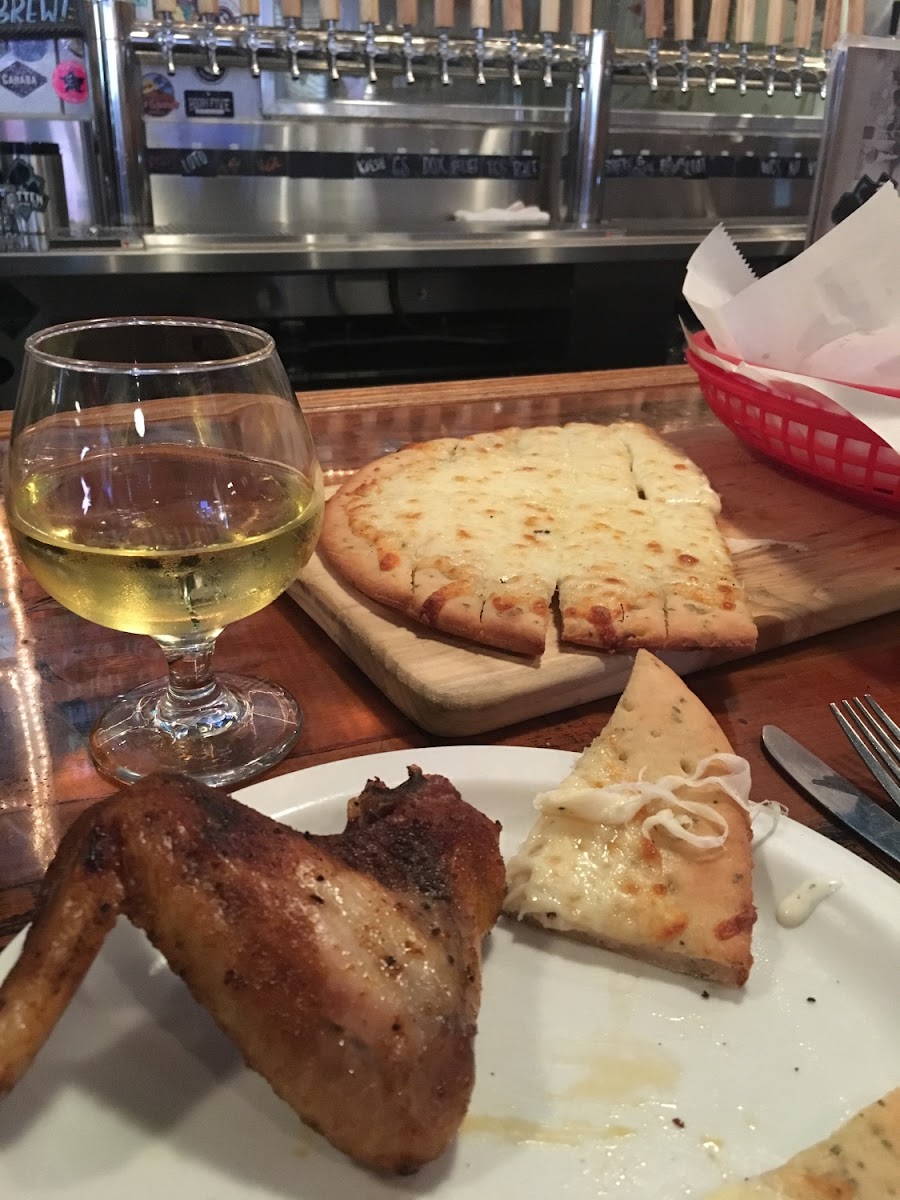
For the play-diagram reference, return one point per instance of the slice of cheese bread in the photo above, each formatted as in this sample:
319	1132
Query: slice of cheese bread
861	1161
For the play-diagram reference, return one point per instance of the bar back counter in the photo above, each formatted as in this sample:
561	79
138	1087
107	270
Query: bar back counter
404	189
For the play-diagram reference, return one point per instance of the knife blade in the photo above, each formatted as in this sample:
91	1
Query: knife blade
843	799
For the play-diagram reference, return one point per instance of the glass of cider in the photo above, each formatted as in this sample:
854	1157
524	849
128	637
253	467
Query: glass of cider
161	480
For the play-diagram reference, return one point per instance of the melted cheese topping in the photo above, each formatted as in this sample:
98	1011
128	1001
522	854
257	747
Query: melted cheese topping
619	803
588	862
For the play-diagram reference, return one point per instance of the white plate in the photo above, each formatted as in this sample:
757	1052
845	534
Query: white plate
584	1059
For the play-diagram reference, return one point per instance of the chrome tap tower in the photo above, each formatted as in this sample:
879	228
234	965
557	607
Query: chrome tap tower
292	118
281	120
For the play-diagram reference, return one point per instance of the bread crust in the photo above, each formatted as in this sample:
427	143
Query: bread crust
709	970
859	1161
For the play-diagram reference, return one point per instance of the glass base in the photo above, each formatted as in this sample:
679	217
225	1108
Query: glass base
245	727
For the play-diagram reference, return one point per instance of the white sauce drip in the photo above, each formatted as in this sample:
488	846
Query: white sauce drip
619	803
799	905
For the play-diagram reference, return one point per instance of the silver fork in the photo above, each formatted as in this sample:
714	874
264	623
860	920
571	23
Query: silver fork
866	724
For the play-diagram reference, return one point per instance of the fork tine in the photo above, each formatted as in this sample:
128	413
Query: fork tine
878	737
866	754
888	721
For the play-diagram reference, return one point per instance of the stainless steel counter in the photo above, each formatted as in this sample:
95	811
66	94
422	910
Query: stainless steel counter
288	253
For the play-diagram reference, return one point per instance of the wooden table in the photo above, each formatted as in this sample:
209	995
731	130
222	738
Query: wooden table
59	671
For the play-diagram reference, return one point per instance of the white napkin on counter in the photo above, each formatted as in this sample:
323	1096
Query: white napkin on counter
517	214
831	313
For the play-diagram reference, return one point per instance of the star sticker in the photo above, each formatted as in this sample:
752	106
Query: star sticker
73	82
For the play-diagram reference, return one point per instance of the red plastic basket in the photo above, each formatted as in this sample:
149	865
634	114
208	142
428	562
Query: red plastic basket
823	443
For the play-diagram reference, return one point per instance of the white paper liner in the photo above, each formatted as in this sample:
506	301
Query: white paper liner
832	313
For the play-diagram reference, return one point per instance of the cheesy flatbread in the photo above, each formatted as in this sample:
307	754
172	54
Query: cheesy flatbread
475	536
645	847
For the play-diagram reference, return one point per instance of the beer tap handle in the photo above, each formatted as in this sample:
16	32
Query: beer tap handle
165	13
775	23
408	17
481	20
717	30
684	34
582	28
803	27
250	14
774	34
582	18
513	24
856	17
716	34
831	31
654	28
481	14
548	26
444	20
744	27
512	15
684	20
744	22
803	24
831	25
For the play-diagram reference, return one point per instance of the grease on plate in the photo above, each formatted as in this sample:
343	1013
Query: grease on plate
518	1129
608	1076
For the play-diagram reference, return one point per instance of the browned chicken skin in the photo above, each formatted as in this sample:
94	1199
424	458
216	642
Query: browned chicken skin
347	968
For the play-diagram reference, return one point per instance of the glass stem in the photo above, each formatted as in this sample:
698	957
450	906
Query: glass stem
195	702
191	680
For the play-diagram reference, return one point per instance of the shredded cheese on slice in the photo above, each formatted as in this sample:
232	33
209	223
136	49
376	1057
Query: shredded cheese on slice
619	803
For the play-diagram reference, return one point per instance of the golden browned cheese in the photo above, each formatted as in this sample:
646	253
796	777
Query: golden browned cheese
347	968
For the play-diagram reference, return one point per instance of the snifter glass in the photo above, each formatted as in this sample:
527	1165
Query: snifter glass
161	480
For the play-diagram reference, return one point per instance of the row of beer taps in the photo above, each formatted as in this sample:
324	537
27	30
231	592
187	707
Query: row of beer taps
372	43
746	59
738	51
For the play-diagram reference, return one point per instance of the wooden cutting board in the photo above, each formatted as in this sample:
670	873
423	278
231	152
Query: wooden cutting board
809	561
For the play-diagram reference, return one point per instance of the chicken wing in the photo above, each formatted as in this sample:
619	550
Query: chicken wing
347	967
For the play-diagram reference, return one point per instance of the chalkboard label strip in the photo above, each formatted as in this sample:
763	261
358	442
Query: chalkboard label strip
709	166
305	164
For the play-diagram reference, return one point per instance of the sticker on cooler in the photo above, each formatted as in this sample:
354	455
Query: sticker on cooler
70	82
21	80
158	95
33	51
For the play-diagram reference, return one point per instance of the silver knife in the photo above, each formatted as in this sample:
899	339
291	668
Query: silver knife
843	799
